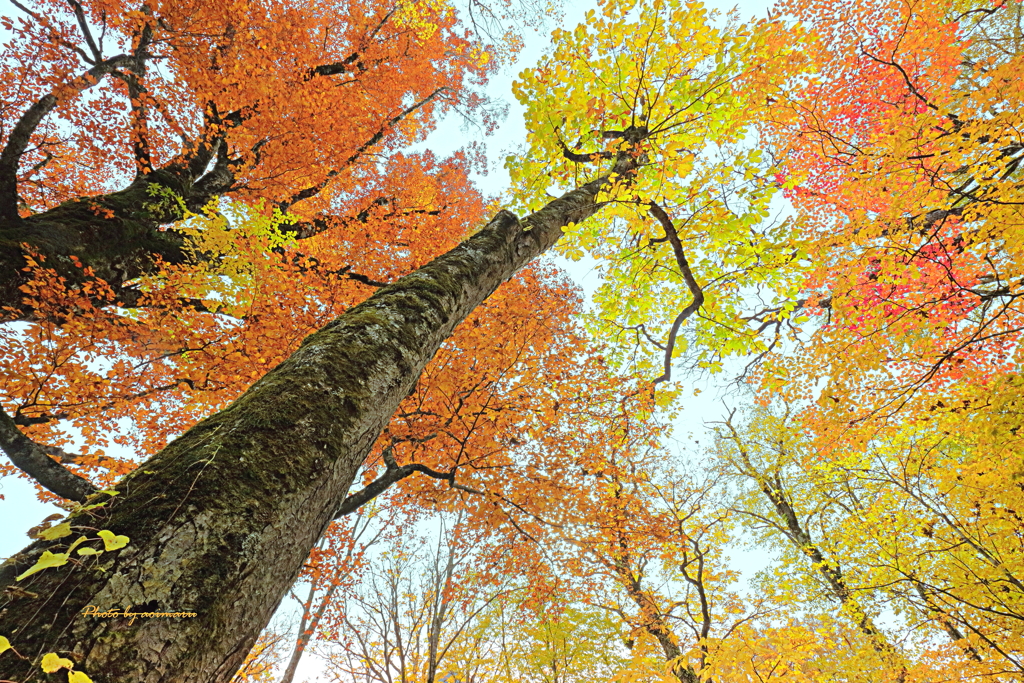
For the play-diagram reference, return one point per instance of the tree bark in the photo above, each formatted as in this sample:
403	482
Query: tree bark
118	235
222	519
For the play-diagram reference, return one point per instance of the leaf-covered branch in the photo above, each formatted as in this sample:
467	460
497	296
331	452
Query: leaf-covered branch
21	133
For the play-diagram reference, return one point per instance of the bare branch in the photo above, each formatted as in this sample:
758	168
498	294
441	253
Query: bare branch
392	474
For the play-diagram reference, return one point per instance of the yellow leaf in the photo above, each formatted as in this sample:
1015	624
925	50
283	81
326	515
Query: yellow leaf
112	542
46	561
4	644
89	551
59	531
52	662
78	677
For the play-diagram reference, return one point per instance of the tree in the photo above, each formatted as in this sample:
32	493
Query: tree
576	644
902	158
335	563
206	89
900	529
164	274
414	616
222	518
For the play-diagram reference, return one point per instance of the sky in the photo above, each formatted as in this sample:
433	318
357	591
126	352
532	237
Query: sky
19	508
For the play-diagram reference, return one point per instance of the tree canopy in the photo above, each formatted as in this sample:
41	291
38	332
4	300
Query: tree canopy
345	373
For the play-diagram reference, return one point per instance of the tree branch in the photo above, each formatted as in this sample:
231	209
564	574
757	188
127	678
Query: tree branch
579	157
314	190
18	140
31	458
691	283
392	474
86	33
354	58
54	35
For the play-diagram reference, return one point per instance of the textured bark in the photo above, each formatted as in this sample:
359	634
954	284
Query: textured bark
119	236
222	519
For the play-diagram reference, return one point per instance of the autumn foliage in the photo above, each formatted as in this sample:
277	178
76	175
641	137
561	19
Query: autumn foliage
824	206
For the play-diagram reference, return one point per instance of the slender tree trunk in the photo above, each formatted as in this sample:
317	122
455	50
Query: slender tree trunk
222	519
307	627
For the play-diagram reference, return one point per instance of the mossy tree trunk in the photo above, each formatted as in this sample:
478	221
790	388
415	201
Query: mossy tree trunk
222	519
119	235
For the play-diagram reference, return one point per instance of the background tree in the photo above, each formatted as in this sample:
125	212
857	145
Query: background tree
887	534
336	564
415	612
902	158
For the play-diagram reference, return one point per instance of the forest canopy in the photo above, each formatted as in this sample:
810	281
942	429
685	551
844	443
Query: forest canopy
340	376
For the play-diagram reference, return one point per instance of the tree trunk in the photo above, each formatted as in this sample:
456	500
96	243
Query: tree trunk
222	519
117	235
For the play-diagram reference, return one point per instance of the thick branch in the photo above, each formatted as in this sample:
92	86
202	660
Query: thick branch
356	57
18	140
83	25
217	180
337	67
305	229
581	157
31	458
